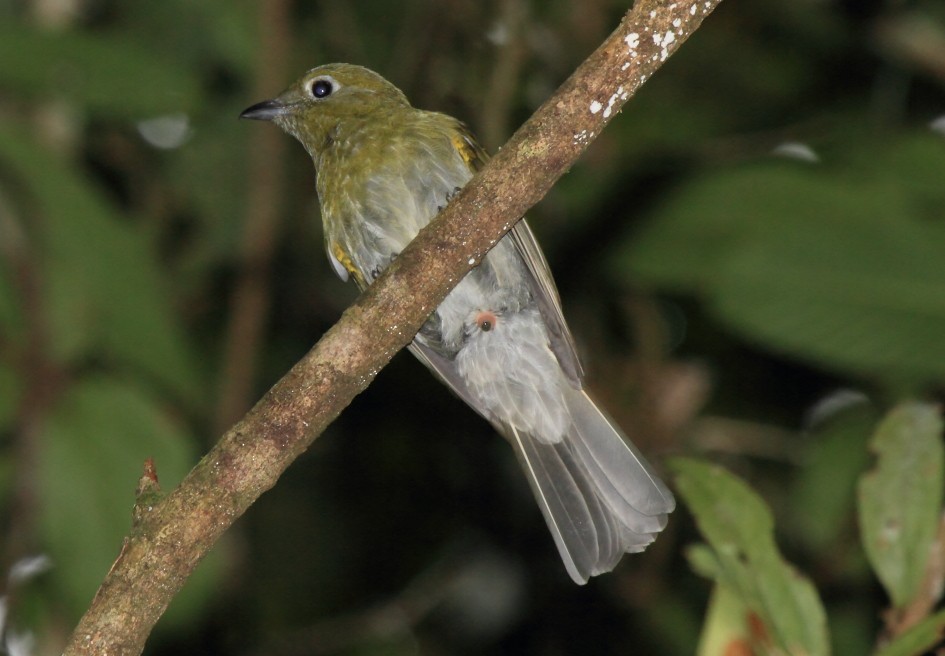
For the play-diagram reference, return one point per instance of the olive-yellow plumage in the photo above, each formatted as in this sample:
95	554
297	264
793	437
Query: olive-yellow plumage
499	340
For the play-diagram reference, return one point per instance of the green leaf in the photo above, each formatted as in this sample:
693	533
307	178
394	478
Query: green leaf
104	72
900	500
703	562
916	161
840	266
106	297
725	630
92	453
860	292
739	529
919	639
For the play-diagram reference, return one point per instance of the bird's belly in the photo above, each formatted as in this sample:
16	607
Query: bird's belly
489	326
499	344
514	376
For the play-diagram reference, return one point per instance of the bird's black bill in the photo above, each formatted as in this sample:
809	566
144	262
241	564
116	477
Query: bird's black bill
267	110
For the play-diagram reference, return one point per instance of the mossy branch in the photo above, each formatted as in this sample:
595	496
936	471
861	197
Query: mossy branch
175	534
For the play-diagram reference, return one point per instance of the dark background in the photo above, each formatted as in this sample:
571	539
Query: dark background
750	258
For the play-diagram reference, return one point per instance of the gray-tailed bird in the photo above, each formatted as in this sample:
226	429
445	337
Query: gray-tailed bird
499	340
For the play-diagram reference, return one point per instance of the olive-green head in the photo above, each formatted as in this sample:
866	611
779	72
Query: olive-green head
320	103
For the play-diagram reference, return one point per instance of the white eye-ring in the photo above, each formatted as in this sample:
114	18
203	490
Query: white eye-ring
322	87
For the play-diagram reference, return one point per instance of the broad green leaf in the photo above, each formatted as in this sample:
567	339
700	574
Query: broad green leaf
105	292
838	265
858	292
916	161
688	242
919	639
703	561
900	500
108	74
725	630
91	457
740	531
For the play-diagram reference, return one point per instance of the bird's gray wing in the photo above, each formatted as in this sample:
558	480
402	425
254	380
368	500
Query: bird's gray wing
540	282
549	302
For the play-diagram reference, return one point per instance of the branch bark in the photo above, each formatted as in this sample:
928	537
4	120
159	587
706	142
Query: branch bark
173	535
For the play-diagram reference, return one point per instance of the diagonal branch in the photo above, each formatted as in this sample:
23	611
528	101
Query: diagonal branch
172	536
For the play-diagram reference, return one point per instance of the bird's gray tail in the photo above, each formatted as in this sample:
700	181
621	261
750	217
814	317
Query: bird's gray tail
599	496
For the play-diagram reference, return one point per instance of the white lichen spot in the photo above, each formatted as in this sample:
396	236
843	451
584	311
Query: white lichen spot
692	10
664	42
632	40
677	23
619	94
595	107
652	15
625	66
580	137
472	261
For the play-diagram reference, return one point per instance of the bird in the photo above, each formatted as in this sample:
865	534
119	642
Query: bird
499	341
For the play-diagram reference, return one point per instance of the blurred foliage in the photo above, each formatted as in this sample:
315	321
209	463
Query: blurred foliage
899	530
762	605
750	257
784	614
793	262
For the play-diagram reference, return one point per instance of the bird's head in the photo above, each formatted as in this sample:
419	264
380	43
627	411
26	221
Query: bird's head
326	98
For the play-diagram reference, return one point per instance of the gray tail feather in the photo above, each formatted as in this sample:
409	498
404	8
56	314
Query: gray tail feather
599	496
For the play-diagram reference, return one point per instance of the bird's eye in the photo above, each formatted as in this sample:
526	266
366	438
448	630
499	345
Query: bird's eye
322	88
